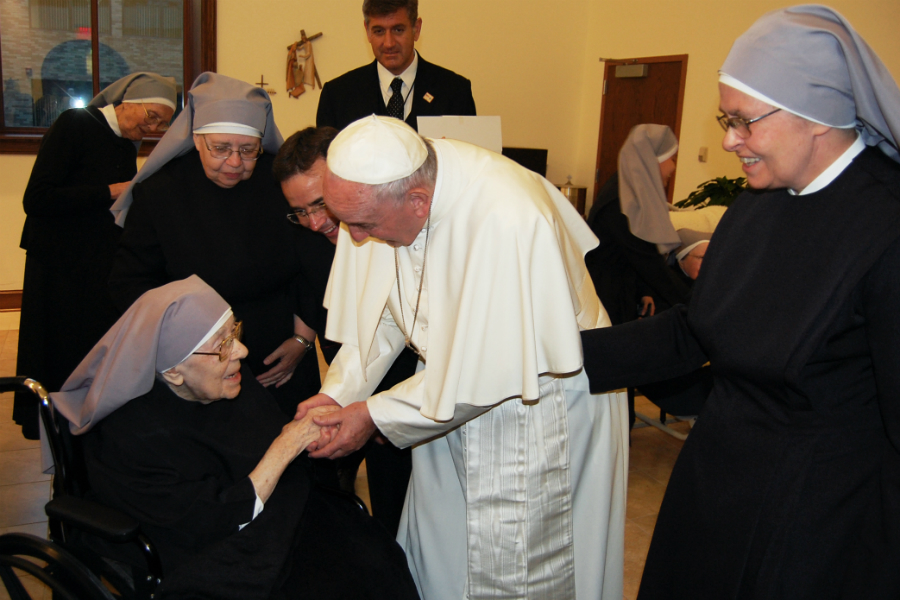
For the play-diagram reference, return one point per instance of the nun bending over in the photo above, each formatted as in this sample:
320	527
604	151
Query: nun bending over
789	484
206	203
85	161
177	434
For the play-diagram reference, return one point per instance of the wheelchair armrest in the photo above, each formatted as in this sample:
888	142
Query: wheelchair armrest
106	523
342	496
12	384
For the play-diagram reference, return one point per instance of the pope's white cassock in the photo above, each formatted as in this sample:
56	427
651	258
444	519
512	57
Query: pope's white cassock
519	473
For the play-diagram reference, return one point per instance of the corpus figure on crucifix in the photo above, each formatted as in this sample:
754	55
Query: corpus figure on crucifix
301	65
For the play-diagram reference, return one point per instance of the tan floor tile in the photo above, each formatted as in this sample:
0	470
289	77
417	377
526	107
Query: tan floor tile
11	438
648	523
23	503
7	367
12	340
644	495
35	529
8	350
652	455
637	541
21	466
10	320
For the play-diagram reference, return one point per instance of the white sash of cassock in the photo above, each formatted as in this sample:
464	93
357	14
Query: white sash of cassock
519	500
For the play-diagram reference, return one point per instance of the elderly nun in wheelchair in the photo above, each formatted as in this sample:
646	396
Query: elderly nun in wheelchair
176	433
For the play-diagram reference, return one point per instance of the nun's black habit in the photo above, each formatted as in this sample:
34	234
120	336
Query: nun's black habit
237	239
789	484
181	468
70	238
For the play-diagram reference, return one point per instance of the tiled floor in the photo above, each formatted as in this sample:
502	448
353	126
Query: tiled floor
24	489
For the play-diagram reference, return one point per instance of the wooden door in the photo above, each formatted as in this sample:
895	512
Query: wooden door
657	97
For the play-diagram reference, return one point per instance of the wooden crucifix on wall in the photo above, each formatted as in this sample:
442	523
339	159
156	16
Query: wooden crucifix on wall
301	65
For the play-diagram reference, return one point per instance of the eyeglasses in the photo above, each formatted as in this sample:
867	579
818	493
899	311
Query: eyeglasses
741	126
154	120
224	351
300	216
224	152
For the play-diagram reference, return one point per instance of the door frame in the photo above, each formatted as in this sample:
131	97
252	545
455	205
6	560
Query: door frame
683	59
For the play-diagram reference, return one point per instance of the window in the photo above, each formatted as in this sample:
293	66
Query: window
152	19
58	54
63	15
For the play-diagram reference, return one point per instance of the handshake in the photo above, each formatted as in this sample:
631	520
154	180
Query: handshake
320	426
330	431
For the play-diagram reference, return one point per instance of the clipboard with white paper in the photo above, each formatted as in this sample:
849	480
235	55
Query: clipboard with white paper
481	131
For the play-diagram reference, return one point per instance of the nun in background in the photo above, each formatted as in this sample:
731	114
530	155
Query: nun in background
206	203
178	435
628	268
789	484
85	161
631	218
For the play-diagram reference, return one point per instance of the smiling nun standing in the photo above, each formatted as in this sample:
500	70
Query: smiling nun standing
85	161
789	484
206	203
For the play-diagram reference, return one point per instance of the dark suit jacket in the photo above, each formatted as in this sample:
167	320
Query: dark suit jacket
357	94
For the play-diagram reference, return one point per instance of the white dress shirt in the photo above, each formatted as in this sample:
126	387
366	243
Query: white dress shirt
408	76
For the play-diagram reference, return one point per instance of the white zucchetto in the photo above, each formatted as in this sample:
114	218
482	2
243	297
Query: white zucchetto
376	150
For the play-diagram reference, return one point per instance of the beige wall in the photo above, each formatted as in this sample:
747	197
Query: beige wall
704	30
533	62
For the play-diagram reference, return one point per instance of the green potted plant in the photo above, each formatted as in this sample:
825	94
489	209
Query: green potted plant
720	191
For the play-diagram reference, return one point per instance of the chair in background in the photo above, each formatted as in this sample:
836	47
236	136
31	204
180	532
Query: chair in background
661	423
682	398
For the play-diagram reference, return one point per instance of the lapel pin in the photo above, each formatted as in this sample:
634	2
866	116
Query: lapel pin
428	97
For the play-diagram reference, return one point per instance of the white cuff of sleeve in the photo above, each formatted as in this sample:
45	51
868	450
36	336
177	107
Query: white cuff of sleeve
257	508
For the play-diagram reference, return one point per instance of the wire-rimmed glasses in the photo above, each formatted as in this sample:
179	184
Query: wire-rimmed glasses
741	126
301	216
225	347
154	120
224	152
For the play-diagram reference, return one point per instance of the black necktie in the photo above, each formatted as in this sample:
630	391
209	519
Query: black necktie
395	104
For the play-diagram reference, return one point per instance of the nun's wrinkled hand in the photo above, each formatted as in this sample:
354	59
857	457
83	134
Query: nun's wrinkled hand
284	359
311	404
303	433
354	428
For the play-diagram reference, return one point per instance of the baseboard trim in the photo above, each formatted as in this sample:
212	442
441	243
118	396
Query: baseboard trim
10	300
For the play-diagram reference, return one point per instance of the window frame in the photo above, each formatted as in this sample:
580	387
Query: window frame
199	56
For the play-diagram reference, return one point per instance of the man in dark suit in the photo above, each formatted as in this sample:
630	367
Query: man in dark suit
399	82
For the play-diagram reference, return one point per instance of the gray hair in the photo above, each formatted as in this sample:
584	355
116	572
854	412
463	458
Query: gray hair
424	176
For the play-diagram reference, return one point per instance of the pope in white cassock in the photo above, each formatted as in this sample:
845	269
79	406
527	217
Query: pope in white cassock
519	473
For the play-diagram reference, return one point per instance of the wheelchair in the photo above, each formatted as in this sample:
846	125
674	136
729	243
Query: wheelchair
81	527
50	565
84	532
